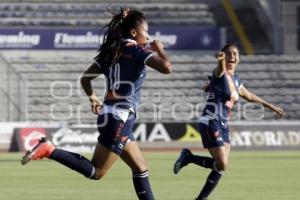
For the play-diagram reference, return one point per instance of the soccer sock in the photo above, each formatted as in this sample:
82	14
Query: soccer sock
142	185
211	182
74	161
202	161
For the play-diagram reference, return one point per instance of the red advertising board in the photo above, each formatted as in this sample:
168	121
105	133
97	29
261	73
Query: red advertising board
26	138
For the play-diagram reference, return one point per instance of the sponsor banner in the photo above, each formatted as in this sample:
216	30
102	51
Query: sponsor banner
245	135
27	138
202	38
74	139
264	135
7	129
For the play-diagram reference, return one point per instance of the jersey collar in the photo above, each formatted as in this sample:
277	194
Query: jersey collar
130	41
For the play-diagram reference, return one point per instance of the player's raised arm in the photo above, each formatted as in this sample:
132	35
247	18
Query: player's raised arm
92	72
221	68
161	61
251	97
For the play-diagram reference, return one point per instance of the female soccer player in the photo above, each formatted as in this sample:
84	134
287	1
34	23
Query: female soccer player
122	58
224	90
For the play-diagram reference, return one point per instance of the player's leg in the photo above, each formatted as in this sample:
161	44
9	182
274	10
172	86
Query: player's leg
186	157
226	138
219	148
103	159
227	149
45	149
104	153
78	162
220	156
133	157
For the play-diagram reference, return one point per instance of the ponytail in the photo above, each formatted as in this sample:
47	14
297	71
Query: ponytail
115	31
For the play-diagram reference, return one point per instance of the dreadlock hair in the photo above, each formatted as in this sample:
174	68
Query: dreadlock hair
116	30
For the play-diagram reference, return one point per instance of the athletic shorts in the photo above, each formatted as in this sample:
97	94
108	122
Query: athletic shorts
214	133
115	128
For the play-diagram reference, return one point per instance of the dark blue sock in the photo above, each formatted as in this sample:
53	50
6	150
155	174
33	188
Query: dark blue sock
202	161
142	185
74	161
211	182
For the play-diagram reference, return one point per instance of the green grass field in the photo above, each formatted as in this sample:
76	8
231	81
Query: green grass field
252	175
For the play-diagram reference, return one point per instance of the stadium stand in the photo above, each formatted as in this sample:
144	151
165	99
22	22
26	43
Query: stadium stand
51	77
54	93
91	13
94	13
249	19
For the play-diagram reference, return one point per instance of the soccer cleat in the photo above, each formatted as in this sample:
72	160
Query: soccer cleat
181	161
43	149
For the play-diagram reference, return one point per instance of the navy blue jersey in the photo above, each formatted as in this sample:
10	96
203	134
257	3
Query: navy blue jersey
222	94
127	75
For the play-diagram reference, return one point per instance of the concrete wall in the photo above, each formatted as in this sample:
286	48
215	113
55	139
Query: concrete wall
3	90
289	25
11	93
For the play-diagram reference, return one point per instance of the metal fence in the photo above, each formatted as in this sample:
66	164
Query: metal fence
12	93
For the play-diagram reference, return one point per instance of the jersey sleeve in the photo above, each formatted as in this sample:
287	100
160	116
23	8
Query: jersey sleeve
237	81
97	61
142	54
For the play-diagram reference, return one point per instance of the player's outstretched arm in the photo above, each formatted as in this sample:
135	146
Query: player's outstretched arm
161	61
221	68
92	72
249	96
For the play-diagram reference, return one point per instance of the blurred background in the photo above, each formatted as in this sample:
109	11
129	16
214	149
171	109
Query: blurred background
46	45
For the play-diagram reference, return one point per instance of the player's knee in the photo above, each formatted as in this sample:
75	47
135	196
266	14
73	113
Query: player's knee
222	165
140	166
99	174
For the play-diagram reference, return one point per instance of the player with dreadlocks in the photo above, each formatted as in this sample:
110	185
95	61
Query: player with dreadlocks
122	58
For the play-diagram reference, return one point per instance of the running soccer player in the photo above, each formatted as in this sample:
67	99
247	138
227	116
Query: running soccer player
122	58
224	90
